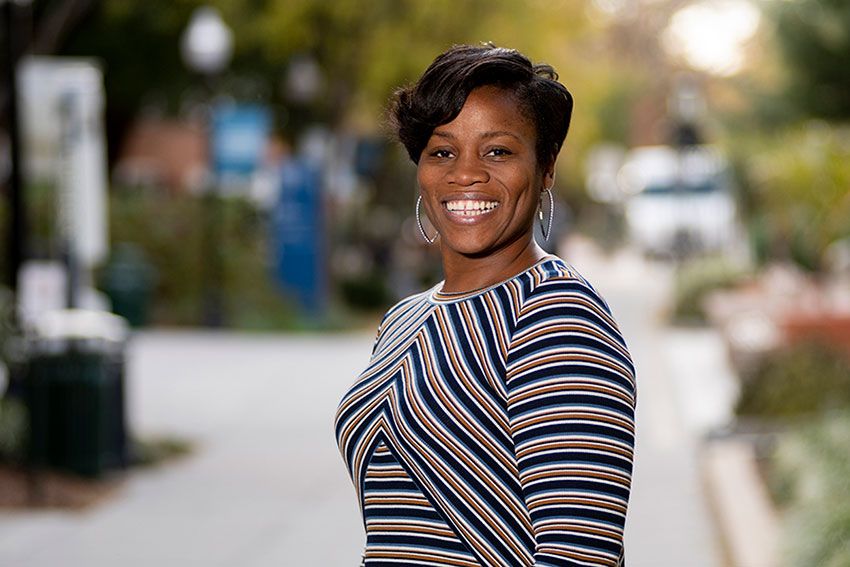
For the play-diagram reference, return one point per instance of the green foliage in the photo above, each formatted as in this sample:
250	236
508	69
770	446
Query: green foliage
807	378
613	112
814	37
6	311
364	49
169	231
167	228
4	226
13	415
13	430
155	450
811	473
368	292
695	280
795	187
166	231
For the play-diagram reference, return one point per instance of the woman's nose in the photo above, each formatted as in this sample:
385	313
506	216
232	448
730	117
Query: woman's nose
468	170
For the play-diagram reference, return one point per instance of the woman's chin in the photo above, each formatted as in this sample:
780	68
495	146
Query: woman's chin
469	246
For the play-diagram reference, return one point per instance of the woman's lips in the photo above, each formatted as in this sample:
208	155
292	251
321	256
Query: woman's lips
469	209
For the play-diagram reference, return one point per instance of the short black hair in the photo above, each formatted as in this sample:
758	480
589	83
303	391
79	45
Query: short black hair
440	93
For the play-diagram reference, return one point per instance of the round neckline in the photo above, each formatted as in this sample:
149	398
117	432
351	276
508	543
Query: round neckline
436	295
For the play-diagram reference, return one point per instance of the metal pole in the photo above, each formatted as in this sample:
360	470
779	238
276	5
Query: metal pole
17	210
17	224
213	309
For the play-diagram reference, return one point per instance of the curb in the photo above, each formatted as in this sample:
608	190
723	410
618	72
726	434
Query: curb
747	521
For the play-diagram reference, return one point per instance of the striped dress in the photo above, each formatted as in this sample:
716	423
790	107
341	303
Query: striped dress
494	427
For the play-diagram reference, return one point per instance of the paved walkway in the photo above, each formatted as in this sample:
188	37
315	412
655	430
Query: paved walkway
678	399
266	486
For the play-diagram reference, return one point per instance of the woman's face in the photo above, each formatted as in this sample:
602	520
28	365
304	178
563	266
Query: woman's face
479	175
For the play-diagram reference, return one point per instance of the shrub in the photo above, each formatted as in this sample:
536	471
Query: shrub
368	293
168	229
13	430
795	191
695	280
810	472
809	377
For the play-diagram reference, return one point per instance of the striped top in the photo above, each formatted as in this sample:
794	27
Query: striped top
494	427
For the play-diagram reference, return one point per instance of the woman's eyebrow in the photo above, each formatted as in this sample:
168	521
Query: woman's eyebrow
497	133
485	135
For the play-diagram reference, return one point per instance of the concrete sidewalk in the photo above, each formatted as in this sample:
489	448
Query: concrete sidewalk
668	523
266	486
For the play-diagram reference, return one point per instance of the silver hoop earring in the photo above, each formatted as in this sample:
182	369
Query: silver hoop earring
419	224
548	229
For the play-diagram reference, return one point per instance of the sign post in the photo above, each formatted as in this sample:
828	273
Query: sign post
63	100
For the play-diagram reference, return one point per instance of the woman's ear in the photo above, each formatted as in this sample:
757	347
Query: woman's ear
549	176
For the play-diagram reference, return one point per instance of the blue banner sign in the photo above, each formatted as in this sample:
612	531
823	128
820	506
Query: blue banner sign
239	136
298	236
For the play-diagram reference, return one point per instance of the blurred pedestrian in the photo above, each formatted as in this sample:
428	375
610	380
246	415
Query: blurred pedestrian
494	424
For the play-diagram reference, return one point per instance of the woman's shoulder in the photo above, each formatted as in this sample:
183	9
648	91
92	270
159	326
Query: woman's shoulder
410	300
402	306
555	279
560	301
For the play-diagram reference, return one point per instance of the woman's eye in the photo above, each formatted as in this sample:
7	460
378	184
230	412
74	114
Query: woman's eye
441	153
499	152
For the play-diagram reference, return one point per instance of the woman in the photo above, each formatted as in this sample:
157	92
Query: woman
494	424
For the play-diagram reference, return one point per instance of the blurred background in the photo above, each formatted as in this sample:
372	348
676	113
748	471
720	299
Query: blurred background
203	218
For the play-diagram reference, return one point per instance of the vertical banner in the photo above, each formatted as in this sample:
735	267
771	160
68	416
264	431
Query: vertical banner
298	236
62	103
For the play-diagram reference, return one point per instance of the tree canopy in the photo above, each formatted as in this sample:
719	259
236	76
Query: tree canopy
814	38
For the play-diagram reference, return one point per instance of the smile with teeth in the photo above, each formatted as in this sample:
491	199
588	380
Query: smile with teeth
471	208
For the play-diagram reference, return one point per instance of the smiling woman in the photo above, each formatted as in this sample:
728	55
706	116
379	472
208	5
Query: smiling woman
480	184
494	425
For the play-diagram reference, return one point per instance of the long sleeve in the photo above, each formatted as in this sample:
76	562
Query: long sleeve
571	402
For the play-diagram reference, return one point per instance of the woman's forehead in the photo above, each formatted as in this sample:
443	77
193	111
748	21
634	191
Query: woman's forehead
488	112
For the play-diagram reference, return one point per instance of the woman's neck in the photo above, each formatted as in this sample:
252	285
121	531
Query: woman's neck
468	273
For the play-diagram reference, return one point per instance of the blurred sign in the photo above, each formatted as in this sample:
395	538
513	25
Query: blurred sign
239	137
41	288
62	102
298	236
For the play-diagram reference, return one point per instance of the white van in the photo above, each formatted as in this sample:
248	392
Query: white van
679	203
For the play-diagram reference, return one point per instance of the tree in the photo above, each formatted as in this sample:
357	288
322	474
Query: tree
814	38
364	49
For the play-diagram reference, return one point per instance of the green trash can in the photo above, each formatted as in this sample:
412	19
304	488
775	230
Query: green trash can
129	280
75	392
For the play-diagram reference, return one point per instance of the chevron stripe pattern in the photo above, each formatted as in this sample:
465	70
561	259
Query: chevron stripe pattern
494	427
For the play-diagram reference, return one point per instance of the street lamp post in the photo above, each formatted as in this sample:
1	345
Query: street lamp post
206	47
17	207
686	106
17	227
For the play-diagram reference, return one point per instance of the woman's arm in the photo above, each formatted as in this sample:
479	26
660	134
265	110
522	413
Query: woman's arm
571	402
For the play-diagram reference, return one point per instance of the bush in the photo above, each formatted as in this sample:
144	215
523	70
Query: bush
810	474
13	430
695	280
807	378
367	293
168	229
795	191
